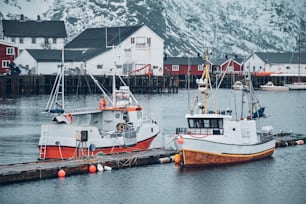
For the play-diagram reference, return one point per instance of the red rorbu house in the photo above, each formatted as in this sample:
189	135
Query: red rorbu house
229	65
178	66
8	53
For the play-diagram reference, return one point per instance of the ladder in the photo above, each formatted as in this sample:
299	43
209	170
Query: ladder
56	100
44	139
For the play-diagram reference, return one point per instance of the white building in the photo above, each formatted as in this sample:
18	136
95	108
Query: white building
38	61
131	49
266	63
37	34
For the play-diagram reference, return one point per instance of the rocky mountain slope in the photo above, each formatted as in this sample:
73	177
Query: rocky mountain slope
226	26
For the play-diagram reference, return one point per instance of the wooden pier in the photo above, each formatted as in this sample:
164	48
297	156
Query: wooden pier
83	84
22	172
289	139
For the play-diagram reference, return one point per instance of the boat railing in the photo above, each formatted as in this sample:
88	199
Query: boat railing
264	136
200	131
147	118
80	110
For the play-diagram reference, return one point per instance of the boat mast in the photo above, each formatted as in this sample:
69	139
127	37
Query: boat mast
299	56
188	78
63	80
207	79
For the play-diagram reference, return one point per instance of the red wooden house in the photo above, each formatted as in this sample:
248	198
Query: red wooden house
179	66
8	53
231	66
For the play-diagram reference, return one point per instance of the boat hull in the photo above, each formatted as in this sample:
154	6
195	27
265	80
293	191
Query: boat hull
200	152
296	86
201	158
274	88
66	152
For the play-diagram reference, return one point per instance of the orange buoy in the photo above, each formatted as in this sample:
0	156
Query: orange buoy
177	159
61	173
92	169
180	140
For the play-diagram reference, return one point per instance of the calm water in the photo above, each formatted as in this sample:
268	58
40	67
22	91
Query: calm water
280	179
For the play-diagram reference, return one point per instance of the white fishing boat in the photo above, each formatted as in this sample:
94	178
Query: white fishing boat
269	86
113	126
215	137
296	86
238	85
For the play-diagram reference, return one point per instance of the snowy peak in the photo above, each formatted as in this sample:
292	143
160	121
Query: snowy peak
226	26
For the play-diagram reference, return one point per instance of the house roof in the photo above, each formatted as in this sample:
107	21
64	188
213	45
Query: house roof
97	37
284	58
43	55
221	61
7	43
17	28
184	60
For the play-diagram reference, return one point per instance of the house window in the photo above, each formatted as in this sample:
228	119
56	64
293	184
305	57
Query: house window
21	40
54	40
5	63
149	41
99	66
132	40
141	42
46	41
127	53
13	40
33	40
175	68
200	67
10	51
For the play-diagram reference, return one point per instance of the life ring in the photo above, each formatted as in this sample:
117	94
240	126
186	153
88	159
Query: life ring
102	103
69	118
121	127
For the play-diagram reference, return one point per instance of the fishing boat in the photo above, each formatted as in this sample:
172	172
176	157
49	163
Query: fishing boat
296	86
269	86
215	137
238	85
115	125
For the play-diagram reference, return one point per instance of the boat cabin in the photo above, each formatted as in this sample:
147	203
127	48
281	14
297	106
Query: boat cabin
206	125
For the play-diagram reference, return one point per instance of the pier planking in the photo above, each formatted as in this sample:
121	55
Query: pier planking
44	169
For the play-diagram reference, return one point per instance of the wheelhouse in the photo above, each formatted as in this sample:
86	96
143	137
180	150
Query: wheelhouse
211	126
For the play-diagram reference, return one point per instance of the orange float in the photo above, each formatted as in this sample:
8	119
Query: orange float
61	173
92	169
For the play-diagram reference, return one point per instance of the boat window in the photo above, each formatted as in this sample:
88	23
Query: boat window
220	121
139	114
214	123
205	123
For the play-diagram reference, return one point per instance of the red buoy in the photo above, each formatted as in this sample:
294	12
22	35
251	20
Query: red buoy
61	173
180	140
92	169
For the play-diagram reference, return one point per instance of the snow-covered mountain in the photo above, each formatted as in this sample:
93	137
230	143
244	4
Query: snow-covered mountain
226	26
